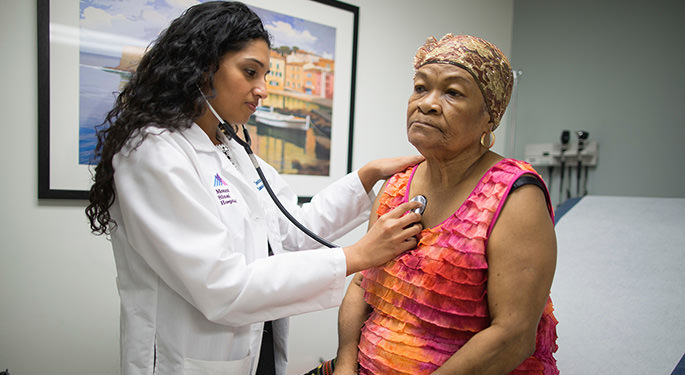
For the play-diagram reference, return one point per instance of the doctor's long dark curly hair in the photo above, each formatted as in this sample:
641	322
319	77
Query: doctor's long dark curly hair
164	90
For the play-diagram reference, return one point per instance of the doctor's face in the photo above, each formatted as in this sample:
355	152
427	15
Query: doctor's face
240	82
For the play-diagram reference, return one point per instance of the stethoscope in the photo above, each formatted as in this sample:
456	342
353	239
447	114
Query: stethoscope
228	129
246	144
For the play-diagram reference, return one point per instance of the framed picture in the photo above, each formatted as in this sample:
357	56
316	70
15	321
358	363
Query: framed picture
88	49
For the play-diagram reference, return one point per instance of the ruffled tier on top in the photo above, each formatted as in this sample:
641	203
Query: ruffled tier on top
429	301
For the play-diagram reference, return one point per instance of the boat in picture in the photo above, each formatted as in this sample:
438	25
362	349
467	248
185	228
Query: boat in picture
267	116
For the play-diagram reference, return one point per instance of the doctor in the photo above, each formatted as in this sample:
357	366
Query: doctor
190	224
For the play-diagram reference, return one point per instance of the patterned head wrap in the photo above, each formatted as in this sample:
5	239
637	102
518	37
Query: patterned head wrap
486	63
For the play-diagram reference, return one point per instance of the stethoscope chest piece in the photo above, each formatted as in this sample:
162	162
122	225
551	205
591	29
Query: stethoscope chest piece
421	199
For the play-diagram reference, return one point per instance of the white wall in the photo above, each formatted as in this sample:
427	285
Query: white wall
58	300
390	32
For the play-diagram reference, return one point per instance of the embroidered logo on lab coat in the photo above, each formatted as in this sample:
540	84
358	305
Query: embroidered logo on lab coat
258	183
223	193
218	181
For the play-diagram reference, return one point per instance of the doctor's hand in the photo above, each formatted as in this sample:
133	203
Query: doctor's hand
391	235
381	169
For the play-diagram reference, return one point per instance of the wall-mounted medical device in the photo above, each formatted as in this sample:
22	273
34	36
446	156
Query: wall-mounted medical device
549	154
574	151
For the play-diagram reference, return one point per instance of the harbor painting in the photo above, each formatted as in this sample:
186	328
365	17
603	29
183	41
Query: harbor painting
292	128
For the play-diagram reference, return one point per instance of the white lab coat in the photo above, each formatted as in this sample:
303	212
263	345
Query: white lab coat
194	276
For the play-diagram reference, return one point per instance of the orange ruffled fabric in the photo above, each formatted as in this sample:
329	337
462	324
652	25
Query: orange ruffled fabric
428	302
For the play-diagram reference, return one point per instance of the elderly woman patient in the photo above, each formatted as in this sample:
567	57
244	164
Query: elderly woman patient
473	296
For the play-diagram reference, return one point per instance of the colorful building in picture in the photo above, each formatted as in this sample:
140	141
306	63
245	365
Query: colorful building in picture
328	66
276	77
299	74
318	80
294	77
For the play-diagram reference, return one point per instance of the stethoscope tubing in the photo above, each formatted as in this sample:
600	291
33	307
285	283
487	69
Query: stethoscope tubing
246	145
228	129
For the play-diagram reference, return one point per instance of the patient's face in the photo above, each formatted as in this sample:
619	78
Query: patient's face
446	112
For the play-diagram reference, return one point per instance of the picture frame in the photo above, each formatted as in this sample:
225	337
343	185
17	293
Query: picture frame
62	171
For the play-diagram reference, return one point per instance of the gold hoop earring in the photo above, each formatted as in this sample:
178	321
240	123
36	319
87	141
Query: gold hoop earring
492	139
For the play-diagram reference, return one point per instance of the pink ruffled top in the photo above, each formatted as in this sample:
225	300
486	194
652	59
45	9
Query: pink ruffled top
429	301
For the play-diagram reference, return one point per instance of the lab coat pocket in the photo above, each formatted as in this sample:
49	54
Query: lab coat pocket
199	367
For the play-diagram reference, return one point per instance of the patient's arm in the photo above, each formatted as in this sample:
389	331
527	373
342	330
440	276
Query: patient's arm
352	314
522	258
